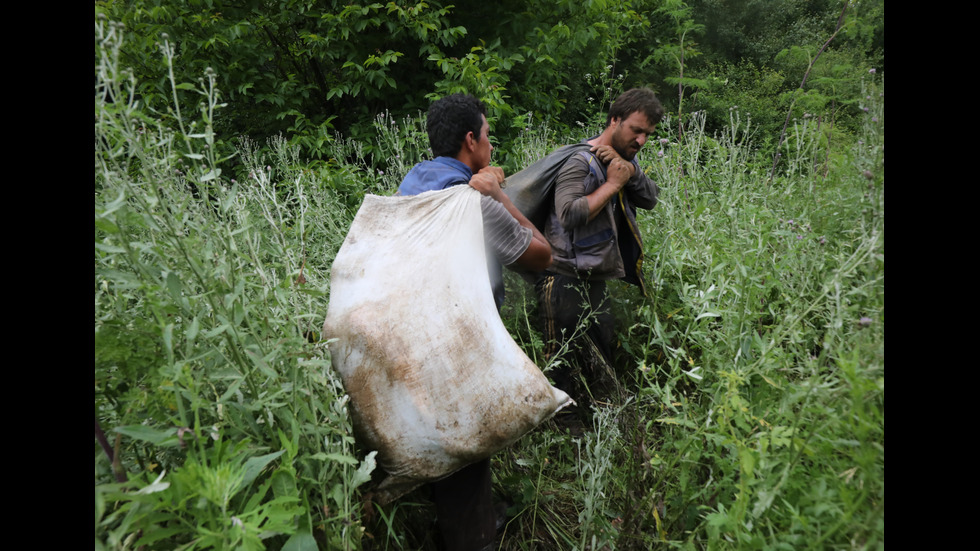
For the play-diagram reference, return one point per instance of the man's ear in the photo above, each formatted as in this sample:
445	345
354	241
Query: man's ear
469	142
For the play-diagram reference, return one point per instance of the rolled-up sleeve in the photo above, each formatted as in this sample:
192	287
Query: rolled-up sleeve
571	204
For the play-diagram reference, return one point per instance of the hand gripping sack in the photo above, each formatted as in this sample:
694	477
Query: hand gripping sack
435	381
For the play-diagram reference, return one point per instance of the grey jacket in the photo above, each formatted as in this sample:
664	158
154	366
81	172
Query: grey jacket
608	247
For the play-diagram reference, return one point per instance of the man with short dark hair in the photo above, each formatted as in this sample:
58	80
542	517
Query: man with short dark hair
591	226
459	137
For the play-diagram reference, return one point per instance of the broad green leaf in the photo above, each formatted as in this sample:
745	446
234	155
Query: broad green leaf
284	483
114	205
302	541
238	312
254	465
765	497
676	421
232	388
747	461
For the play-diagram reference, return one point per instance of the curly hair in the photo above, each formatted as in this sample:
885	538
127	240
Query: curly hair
448	121
637	99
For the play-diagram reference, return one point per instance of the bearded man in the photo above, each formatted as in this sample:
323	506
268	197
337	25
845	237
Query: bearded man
591	226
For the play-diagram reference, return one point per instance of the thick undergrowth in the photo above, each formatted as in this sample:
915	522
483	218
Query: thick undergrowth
753	373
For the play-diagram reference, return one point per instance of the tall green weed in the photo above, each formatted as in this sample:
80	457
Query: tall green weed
755	368
229	427
763	339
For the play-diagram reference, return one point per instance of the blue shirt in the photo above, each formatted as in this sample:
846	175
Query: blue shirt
439	173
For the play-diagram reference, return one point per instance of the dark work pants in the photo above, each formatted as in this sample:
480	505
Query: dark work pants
564	303
464	508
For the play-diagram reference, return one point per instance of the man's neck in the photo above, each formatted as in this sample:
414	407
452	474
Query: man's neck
457	160
602	139
466	160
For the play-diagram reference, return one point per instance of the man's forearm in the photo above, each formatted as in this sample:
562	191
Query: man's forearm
600	197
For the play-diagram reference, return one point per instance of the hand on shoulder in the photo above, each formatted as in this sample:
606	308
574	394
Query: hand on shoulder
496	171
487	181
621	168
605	153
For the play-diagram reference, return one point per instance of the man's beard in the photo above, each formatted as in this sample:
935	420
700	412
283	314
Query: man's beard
624	149
626	153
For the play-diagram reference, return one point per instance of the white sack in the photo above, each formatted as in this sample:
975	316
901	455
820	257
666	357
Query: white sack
435	380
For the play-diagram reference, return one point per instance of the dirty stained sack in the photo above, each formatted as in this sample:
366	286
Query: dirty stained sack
435	381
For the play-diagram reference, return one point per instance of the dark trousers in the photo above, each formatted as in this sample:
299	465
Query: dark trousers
464	508
566	305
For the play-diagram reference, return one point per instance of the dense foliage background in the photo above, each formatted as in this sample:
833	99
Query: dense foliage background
310	69
235	140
